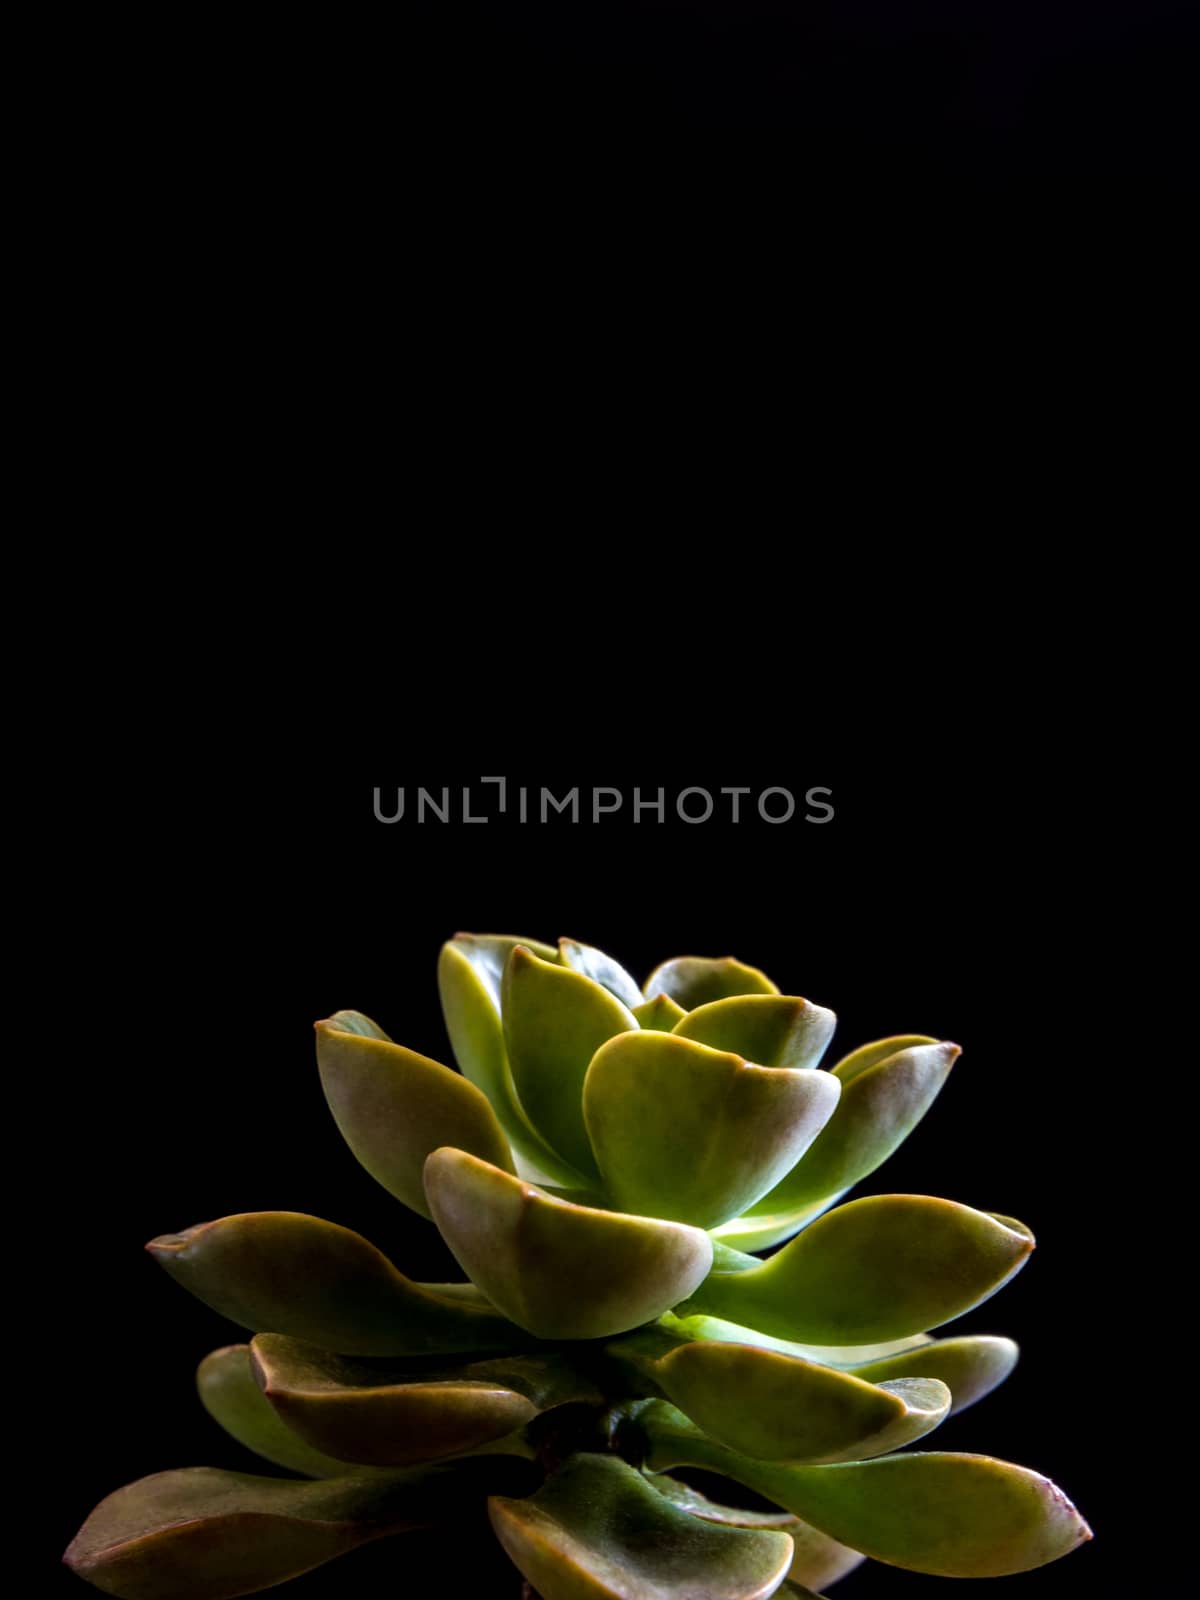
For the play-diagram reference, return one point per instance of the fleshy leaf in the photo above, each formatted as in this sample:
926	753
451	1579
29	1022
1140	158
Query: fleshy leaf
816	1560
204	1534
554	1022
759	1230
470	969
782	1408
874	1269
563	1271
970	1367
357	1022
232	1398
660	1013
284	1272
772	1030
597	1531
394	1106
849	1356
957	1516
885	1093
601	969
386	1415
695	1134
696	980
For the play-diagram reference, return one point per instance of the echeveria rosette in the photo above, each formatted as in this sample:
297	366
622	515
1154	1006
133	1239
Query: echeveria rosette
599	1166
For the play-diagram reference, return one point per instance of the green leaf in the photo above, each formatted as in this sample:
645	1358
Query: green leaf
284	1272
597	1531
816	1560
695	1134
388	1415
357	1022
232	1398
958	1516
970	1367
878	1268
783	1408
470	969
660	1013
850	1356
563	1271
689	1499
772	1030
885	1093
695	980
759	1230
394	1106
602	969
554	1022
203	1534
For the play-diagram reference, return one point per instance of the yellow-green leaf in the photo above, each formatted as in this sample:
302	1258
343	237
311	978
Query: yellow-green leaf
875	1269
554	1022
470	969
563	1271
597	1531
695	1134
772	1030
970	1366
228	1391
386	1414
957	1516
203	1534
695	980
394	1106
284	1272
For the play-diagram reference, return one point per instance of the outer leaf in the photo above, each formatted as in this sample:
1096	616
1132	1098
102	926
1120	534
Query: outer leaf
289	1273
232	1398
772	1030
554	1022
601	969
884	1095
204	1534
782	1408
850	1356
389	1416
695	980
597	1531
694	1134
878	1268
394	1106
958	1516
971	1366
816	1560
661	1013
470	969
563	1271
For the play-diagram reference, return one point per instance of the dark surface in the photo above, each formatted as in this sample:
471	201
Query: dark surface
987	91
950	902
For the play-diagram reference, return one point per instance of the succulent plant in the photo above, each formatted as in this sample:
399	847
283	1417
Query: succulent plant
601	1168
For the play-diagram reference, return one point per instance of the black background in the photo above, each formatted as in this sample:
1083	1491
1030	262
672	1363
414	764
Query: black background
989	92
239	900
